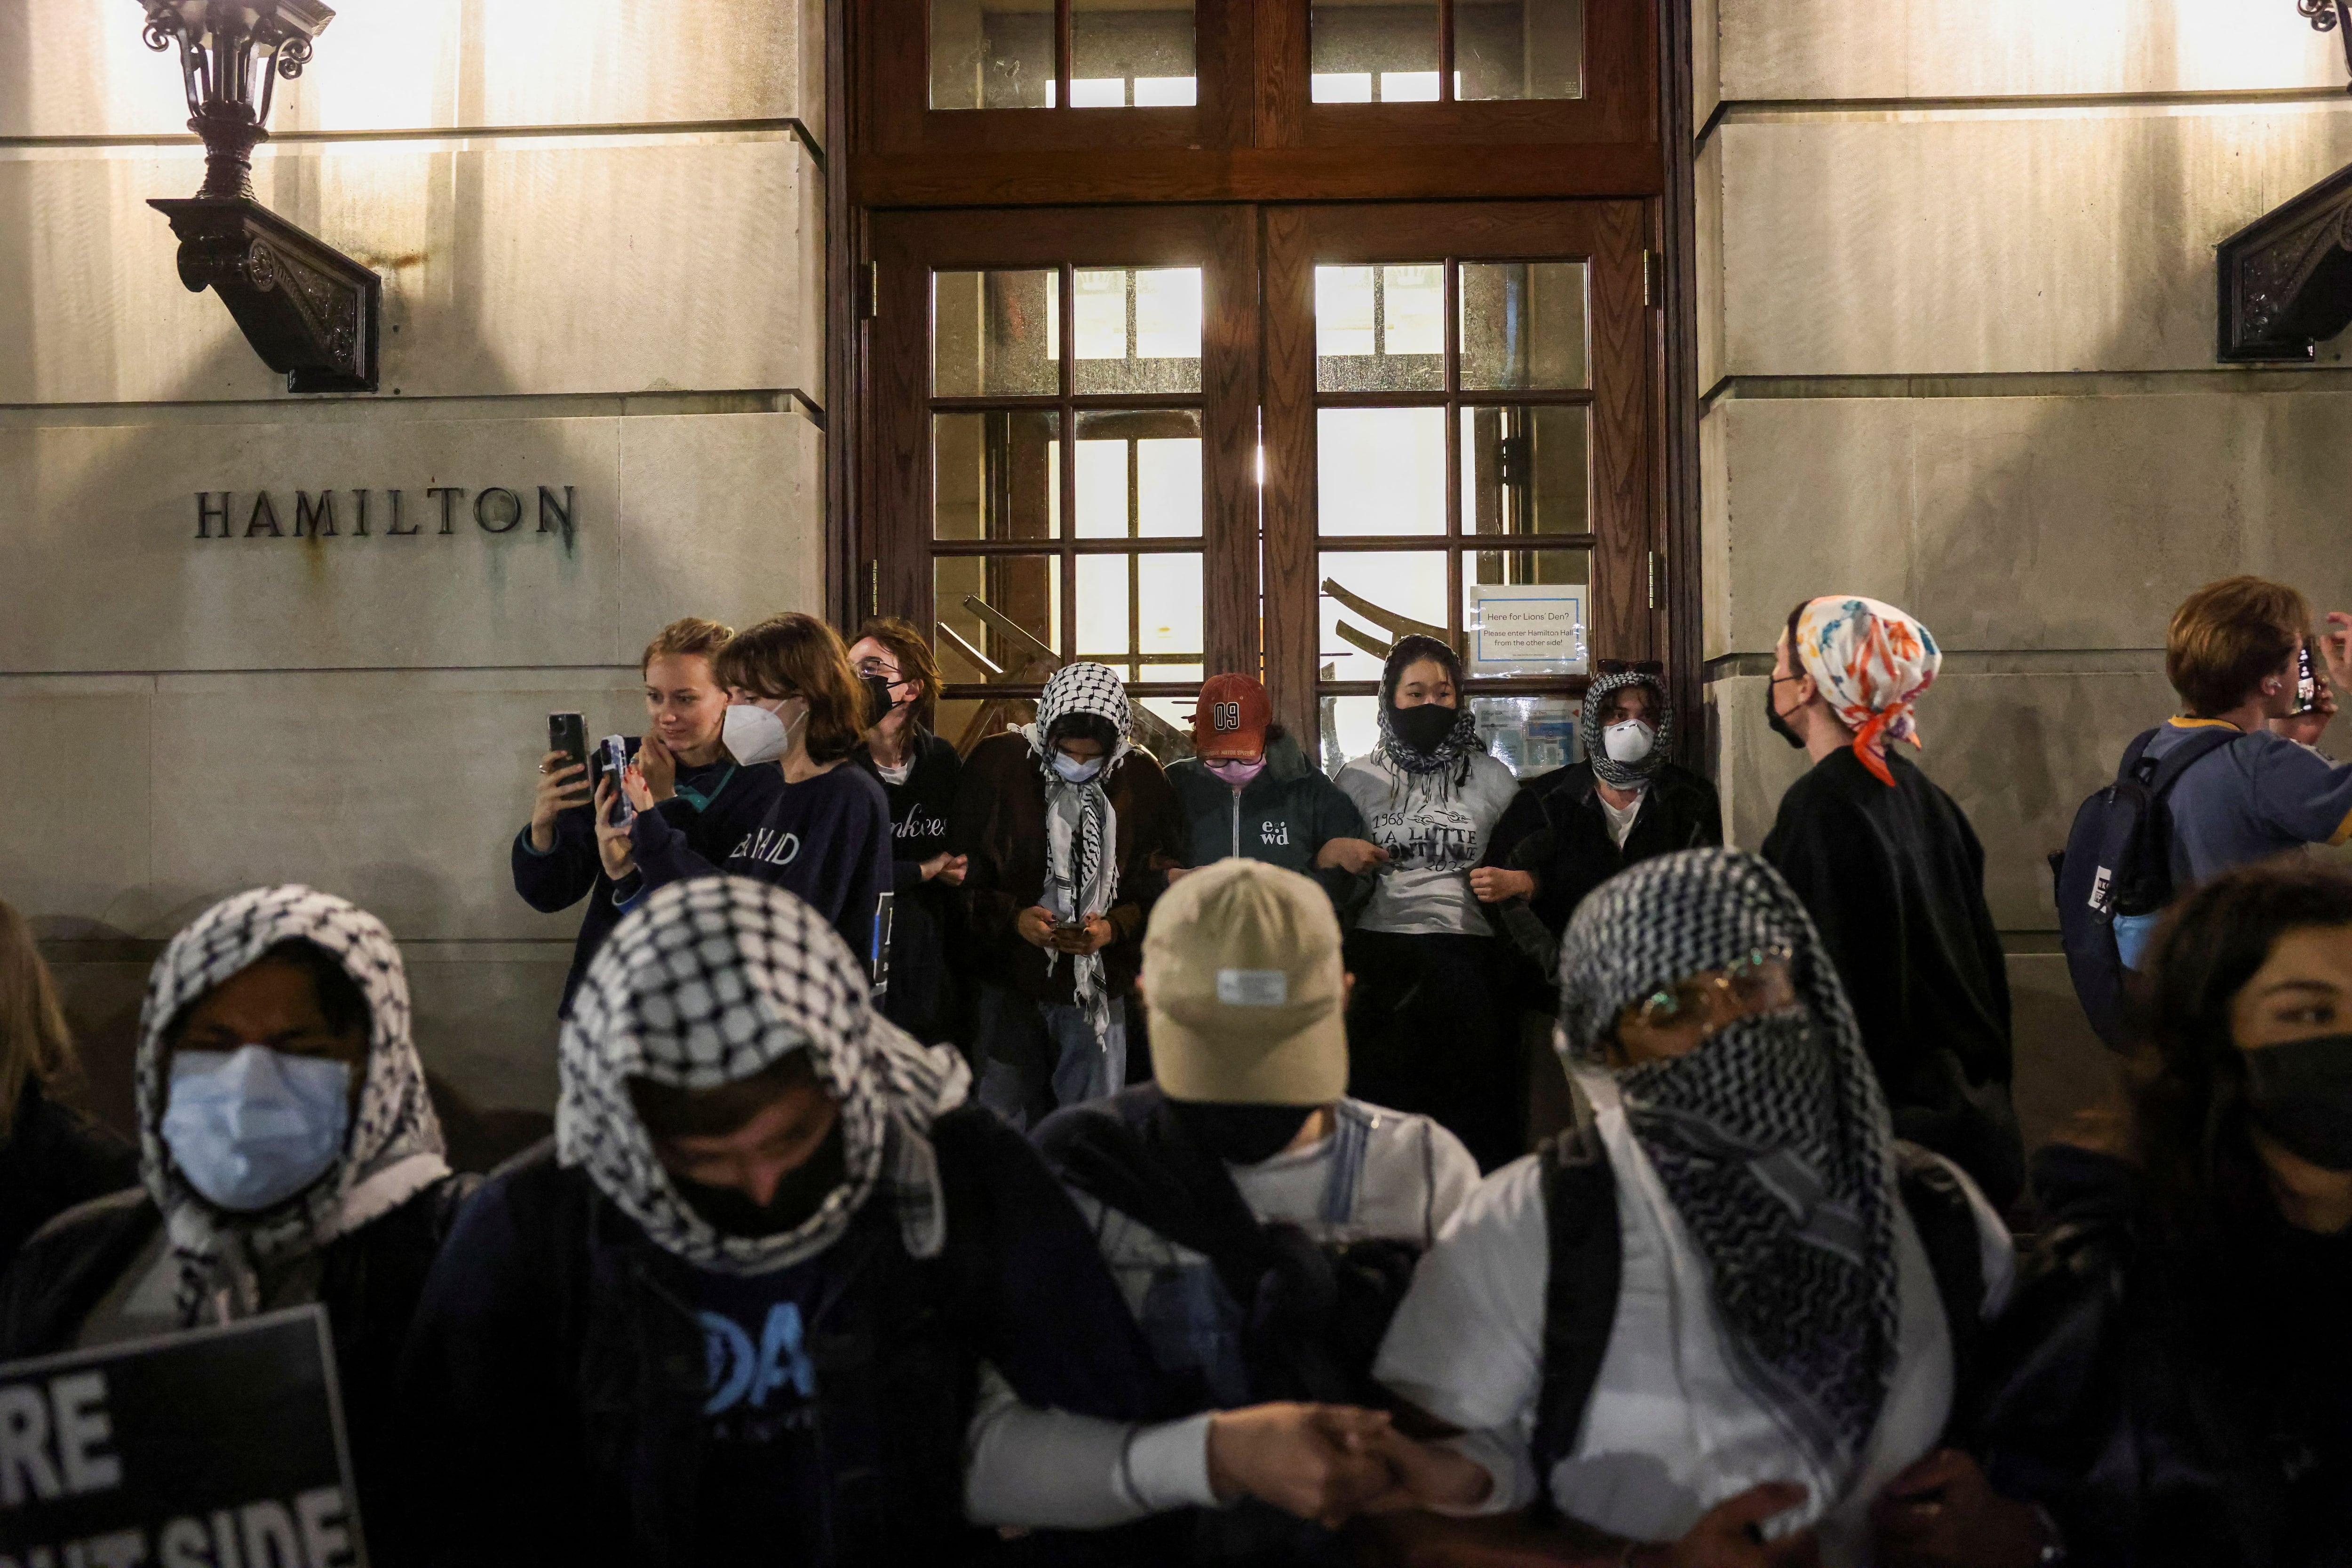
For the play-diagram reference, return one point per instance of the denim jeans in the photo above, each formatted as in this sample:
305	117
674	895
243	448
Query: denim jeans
1035	1056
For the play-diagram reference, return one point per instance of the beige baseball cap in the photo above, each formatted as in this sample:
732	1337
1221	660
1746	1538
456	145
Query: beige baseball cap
1245	988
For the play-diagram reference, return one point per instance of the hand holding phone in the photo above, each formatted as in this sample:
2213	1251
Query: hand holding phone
613	753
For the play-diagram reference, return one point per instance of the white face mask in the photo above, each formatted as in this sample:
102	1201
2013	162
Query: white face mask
1628	741
1073	771
754	732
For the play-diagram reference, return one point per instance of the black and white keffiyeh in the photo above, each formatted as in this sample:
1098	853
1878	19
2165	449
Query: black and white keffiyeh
1082	866
1772	1139
705	982
1625	775
393	1150
1448	759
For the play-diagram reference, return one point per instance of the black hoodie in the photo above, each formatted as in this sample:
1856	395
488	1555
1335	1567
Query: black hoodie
922	997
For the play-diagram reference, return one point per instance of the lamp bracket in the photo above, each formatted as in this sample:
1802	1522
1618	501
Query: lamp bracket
306	308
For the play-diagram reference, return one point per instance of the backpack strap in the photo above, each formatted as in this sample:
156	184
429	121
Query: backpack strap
2200	743
1945	1221
1580	1282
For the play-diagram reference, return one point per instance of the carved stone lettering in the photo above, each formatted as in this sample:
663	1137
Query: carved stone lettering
207	513
261	509
318	521
404	533
551	516
509	510
359	525
449	495
497	510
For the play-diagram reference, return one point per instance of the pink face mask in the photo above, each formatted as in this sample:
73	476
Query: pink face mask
1236	773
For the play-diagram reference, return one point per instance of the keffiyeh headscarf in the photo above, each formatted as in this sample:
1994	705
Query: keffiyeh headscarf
707	982
1772	1139
1626	775
1449	757
393	1150
1870	660
1082	862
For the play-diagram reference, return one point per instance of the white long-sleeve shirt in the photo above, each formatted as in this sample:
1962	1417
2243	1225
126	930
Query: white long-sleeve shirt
1379	1174
1669	1431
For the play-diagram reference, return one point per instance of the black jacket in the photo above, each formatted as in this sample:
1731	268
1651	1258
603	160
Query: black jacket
1556	828
557	1371
573	870
1284	818
369	1284
922	999
53	1158
1895	881
2173	1411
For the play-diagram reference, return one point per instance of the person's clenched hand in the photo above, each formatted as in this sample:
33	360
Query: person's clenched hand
1728	1535
1943	1513
1315	1461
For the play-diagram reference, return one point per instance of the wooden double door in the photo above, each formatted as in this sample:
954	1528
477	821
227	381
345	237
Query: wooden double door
1186	439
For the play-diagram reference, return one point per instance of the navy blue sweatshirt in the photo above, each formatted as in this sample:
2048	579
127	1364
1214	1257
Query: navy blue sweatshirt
733	802
922	995
826	840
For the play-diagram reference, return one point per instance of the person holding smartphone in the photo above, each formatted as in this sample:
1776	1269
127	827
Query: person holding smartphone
795	712
558	860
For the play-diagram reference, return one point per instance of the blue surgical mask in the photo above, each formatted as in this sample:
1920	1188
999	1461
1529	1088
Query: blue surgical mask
252	1127
1073	771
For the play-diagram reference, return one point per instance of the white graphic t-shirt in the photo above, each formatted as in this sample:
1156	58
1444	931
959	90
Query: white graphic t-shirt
1434	831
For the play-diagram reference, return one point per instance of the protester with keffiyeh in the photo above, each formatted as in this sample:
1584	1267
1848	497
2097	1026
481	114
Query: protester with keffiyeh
287	1154
1433	1026
1717	1317
1070	830
1894	877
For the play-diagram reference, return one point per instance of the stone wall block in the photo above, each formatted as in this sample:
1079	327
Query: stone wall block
764	471
1979	243
1783	50
79	772
436	64
684	263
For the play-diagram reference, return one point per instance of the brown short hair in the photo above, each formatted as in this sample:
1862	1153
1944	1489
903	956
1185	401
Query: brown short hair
669	1111
793	654
35	1044
2226	636
915	661
692	638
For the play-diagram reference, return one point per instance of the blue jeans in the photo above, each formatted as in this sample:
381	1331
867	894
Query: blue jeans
1035	1056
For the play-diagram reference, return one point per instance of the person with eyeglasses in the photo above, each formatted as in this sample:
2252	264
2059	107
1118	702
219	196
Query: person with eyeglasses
1892	873
918	771
1714	1319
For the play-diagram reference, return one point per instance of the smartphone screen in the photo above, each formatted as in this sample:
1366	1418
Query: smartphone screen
2306	682
613	759
566	732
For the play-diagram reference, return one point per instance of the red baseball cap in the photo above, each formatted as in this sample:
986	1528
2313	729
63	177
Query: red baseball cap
1229	723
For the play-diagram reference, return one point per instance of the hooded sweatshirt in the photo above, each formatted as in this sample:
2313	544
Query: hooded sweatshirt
358	1240
614	1379
1284	818
920	998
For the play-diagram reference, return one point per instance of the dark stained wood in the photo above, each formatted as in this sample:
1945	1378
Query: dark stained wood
1144	175
847	547
1623	624
1288	497
1678	490
1229	374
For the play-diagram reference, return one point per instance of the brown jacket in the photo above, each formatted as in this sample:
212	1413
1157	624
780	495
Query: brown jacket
998	820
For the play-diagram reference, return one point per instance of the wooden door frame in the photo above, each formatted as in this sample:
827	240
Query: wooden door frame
895	474
1610	236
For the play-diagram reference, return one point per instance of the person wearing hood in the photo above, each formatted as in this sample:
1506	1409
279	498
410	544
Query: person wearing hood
742	1310
1261	1224
1713	1321
51	1155
557	860
797	712
1248	790
288	1153
1891	871
1433	1026
1569	830
918	772
1070	829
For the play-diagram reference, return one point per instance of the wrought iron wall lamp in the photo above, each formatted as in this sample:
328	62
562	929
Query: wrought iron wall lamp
2286	278
306	308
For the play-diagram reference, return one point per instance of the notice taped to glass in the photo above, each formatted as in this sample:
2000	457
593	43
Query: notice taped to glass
1526	628
220	1445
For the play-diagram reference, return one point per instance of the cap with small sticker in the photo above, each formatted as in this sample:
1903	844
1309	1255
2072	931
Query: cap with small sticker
1252	987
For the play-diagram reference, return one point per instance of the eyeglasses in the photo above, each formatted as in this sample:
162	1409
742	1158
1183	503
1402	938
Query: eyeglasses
1748	984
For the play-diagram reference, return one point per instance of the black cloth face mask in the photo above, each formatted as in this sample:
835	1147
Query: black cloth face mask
1242	1134
1424	726
1772	711
2300	1094
877	697
799	1194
